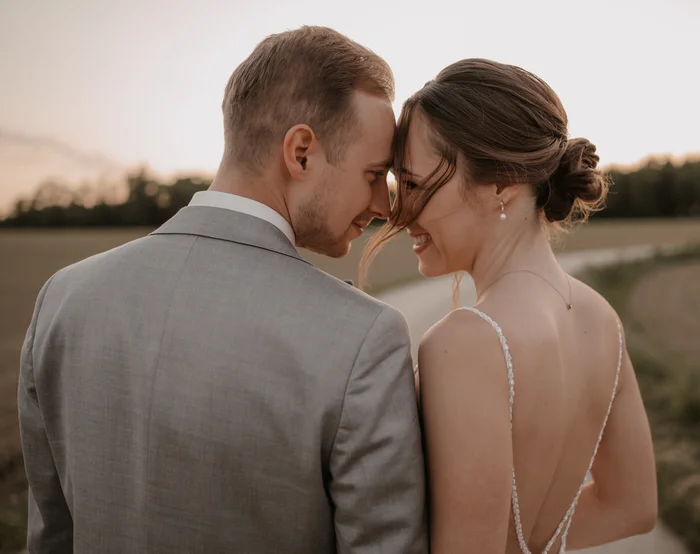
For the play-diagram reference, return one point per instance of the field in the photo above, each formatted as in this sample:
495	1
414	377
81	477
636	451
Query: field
397	263
29	257
659	303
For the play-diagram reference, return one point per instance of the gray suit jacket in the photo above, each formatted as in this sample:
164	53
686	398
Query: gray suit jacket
204	389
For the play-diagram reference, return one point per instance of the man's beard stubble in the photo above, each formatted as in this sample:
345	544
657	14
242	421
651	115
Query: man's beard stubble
313	233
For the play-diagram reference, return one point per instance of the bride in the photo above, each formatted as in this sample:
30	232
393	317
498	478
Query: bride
531	389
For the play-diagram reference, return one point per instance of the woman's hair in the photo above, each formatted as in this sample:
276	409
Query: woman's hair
505	126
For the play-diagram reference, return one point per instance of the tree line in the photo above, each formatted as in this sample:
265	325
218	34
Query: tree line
657	188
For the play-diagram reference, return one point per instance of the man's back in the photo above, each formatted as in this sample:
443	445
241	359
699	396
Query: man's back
204	389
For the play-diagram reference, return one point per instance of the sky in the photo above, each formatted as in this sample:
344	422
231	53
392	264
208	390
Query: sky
141	81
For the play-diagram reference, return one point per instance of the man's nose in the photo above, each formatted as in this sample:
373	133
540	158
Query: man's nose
380	206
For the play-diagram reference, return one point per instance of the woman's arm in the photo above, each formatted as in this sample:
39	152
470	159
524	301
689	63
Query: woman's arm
464	397
621	501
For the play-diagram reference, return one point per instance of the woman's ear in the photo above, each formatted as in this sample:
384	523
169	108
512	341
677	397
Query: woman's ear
507	193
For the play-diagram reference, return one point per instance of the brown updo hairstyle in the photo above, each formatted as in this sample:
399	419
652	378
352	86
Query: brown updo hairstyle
506	126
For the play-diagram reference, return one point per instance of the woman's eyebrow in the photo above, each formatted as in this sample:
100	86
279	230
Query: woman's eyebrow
410	173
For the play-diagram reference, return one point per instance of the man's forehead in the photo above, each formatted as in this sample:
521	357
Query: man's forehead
377	127
376	114
377	148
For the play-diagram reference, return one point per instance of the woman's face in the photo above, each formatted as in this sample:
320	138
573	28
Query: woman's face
450	230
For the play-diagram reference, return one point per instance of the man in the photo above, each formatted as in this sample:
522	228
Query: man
204	389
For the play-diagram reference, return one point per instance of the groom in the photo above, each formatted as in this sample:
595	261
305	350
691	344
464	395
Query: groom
204	389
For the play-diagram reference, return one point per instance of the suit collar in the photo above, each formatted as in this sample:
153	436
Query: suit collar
228	225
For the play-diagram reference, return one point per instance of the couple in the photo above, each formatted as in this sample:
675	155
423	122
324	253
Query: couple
204	389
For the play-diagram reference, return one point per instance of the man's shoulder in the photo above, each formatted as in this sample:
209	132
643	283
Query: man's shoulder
343	291
333	295
76	274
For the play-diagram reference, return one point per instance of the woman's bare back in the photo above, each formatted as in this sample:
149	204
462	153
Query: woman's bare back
564	366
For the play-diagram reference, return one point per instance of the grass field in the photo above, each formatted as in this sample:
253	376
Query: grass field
29	257
659	303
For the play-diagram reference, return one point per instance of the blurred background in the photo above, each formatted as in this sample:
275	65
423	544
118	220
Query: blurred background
110	120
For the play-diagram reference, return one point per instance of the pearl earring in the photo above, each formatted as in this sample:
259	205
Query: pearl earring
503	215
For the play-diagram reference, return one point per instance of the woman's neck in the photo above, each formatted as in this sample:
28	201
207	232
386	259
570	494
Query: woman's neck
526	248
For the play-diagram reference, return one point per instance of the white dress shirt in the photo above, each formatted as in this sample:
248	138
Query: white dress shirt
216	199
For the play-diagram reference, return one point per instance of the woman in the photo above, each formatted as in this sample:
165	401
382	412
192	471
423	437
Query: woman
517	392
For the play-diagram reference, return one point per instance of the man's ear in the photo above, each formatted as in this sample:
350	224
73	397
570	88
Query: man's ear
297	147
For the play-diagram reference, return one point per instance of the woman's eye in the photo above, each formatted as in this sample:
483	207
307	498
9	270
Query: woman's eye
410	185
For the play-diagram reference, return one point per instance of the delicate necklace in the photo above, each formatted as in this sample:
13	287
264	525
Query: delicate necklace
567	302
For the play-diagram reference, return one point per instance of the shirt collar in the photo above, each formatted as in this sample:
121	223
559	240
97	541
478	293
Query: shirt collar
227	201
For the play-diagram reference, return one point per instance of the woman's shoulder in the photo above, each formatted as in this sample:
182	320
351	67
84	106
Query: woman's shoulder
461	339
458	326
594	309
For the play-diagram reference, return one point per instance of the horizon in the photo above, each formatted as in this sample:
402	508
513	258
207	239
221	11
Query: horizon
120	172
140	83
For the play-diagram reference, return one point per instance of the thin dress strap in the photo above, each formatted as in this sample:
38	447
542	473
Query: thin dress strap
565	523
600	437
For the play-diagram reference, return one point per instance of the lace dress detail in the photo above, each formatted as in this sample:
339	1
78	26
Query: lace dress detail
565	523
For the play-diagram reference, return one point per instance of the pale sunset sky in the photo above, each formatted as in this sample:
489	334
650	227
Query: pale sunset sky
141	81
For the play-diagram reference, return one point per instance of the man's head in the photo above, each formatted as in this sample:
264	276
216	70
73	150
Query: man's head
309	114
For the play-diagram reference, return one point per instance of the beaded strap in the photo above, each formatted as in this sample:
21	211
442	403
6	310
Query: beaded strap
565	523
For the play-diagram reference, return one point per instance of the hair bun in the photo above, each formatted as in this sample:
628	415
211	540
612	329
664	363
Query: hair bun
577	187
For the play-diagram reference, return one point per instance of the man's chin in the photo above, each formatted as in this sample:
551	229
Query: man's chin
339	250
344	252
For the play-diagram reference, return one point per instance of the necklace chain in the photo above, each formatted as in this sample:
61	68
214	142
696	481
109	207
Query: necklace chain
567	302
